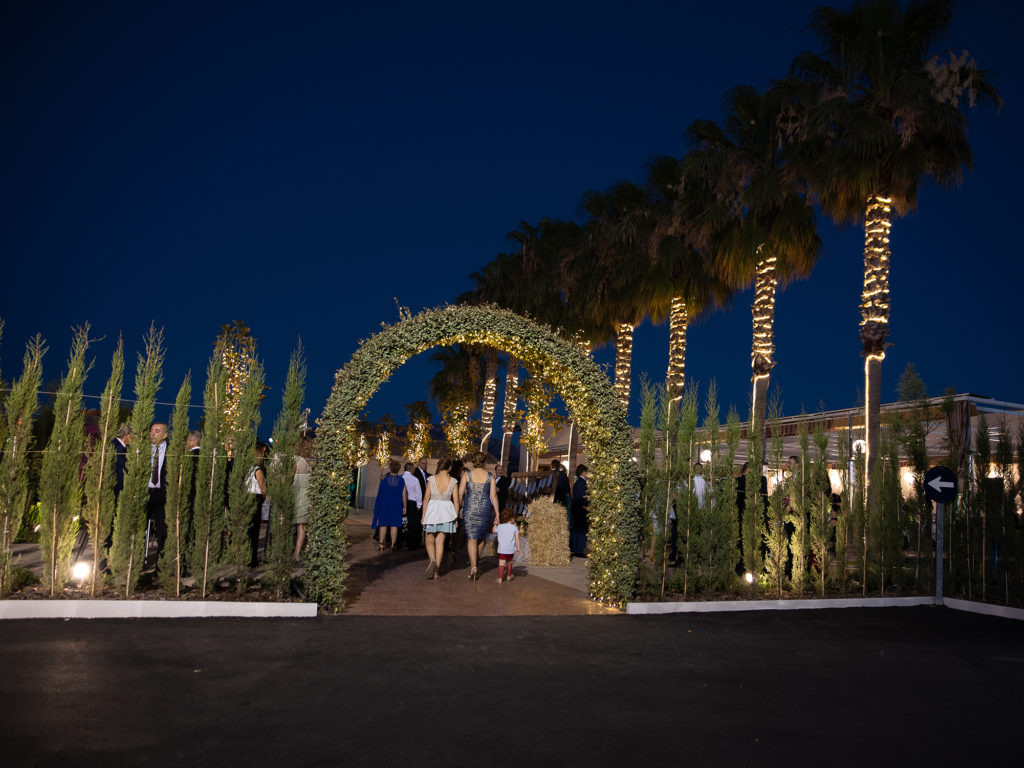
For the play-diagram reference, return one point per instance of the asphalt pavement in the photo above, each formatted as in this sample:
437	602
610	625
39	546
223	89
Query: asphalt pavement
858	687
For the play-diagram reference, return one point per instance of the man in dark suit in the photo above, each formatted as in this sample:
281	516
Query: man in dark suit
421	474
193	452
157	484
120	443
501	485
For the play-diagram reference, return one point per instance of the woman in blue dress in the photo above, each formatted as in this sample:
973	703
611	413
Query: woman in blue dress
389	506
479	505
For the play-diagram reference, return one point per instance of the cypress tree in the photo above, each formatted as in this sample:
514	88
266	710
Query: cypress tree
820	509
775	533
211	473
653	532
19	406
281	473
680	484
99	472
60	484
242	503
798	490
179	480
753	513
127	554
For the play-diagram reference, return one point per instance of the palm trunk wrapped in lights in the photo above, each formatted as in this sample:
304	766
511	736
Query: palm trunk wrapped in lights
874	324
490	395
763	347
508	421
623	362
677	322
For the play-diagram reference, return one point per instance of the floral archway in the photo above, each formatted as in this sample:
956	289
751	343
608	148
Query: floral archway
614	509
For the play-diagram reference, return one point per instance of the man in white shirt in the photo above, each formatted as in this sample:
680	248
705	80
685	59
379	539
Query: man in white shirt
413	507
157	484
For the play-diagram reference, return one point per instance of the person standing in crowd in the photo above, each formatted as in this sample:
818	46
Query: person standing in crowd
413	507
508	543
300	492
257	486
479	501
580	522
157	484
502	482
439	518
422	474
121	443
389	506
562	494
192	444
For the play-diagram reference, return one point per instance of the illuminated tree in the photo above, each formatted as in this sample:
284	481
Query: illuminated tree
883	112
237	349
419	441
756	223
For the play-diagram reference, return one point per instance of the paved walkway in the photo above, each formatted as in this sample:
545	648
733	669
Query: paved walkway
395	584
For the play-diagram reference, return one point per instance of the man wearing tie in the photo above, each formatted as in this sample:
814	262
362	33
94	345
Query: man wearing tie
157	484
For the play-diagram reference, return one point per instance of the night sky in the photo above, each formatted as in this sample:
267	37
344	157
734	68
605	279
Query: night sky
300	166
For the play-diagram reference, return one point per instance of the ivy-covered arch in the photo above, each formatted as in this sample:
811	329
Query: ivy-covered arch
614	509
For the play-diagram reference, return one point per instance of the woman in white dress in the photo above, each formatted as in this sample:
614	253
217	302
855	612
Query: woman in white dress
440	501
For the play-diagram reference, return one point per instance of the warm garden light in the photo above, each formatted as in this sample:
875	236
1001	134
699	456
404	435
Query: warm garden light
705	456
748	577
81	570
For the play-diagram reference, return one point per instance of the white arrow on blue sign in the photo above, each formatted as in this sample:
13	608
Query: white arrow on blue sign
940	484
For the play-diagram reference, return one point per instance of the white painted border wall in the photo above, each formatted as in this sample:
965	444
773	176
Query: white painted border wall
776	605
150	609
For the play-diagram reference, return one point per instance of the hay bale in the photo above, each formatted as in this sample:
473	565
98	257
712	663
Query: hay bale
548	533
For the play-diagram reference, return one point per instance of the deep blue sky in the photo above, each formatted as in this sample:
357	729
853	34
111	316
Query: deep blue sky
298	166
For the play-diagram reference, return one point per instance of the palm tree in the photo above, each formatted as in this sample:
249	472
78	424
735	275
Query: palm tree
754	217
609	279
883	114
687	284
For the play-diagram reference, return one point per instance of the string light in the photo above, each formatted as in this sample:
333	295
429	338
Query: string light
678	320
623	362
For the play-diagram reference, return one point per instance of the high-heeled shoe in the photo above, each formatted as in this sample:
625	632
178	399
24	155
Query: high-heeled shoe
380	547
393	549
437	572
472	574
431	567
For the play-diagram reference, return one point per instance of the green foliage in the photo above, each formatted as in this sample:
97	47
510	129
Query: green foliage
211	472
99	472
775	530
680	485
60	484
242	503
127	555
651	510
177	512
614	509
819	510
281	474
14	463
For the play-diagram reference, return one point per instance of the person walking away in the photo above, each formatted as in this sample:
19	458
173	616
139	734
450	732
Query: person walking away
439	518
413	507
508	543
389	506
479	501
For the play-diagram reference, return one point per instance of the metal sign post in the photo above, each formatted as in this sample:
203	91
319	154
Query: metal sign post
939	486
940	521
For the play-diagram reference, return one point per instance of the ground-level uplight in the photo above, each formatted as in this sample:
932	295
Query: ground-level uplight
81	570
749	577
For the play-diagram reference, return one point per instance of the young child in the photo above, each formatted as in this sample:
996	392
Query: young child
508	543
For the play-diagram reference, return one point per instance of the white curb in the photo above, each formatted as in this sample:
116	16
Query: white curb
985	608
150	609
776	605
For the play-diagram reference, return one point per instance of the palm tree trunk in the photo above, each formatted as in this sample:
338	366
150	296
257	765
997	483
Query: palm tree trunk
490	395
874	330
763	346
508	420
623	362
678	320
